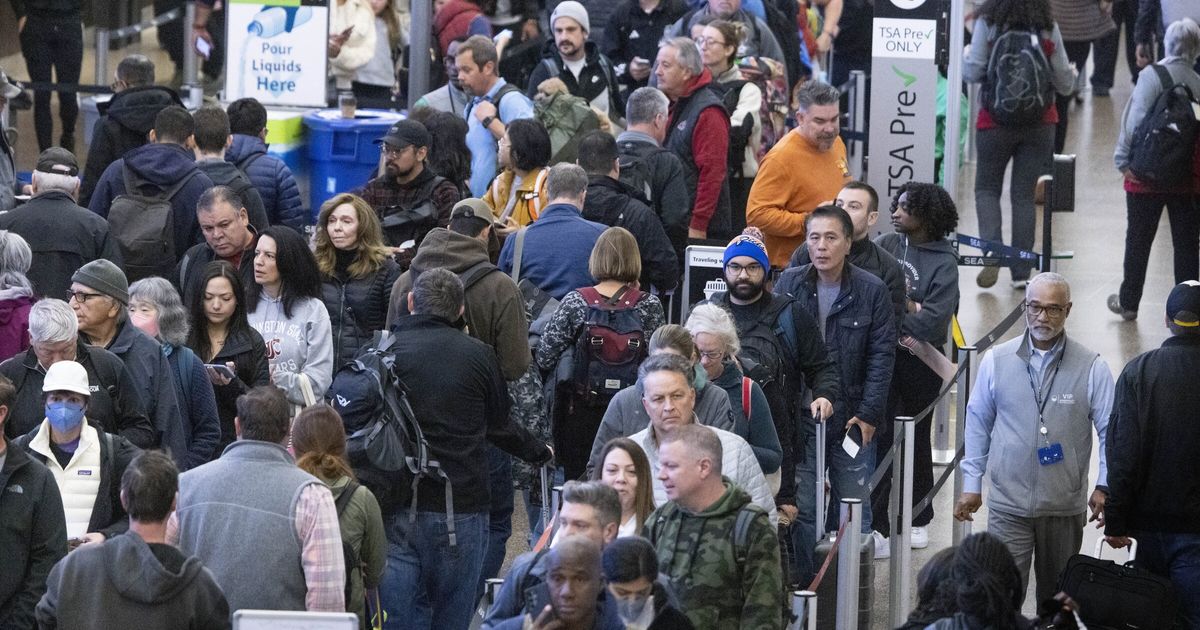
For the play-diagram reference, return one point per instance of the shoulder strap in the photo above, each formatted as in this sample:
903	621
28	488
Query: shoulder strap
518	249
1164	76
183	359
746	406
344	498
786	330
535	208
475	273
110	466
551	68
741	531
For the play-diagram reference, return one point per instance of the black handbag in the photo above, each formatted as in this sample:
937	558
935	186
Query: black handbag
1118	596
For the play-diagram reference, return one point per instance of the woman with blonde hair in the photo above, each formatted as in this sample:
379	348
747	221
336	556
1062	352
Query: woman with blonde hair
357	273
616	265
319	440
625	467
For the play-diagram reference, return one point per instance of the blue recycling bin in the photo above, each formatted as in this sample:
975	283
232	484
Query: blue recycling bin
342	153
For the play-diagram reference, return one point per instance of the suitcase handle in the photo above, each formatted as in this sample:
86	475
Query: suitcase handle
1132	549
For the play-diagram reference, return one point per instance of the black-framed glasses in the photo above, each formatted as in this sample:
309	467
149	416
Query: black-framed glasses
751	269
1054	311
712	356
81	296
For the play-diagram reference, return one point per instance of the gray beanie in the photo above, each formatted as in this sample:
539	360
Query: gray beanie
105	277
575	11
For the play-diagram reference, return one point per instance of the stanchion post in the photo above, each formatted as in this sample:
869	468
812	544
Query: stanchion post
555	503
858	121
191	66
954	73
965	381
102	39
1047	225
849	555
904	444
819	511
418	46
804	609
491	588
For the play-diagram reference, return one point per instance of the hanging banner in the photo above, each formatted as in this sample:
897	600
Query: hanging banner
276	51
903	94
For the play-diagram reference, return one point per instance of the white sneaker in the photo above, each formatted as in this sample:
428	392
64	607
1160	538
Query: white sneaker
920	538
883	550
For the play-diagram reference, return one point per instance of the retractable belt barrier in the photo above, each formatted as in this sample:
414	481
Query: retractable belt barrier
984	343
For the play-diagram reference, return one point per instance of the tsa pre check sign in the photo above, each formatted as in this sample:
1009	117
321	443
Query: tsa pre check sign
904	38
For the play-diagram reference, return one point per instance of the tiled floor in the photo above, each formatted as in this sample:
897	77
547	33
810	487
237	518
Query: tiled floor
1094	233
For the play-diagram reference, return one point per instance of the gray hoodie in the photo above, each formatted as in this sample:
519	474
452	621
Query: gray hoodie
126	583
626	415
297	346
931	278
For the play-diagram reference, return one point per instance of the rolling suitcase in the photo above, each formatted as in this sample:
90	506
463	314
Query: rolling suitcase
1112	595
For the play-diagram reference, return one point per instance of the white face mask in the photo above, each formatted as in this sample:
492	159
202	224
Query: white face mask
636	613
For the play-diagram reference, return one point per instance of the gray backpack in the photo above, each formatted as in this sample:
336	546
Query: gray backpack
144	227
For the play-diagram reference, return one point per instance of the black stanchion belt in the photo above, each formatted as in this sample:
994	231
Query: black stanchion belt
984	343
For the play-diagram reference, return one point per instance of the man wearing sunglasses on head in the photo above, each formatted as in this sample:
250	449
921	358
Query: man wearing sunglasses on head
1034	405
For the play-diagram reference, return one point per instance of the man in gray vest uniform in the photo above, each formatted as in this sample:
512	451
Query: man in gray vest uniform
267	530
1034	405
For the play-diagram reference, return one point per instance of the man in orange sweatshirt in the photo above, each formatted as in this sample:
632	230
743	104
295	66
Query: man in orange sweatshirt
805	169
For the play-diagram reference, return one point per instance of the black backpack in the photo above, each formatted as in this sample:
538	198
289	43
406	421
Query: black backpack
382	432
351	557
144	227
634	159
1164	142
1017	89
610	347
739	130
403	223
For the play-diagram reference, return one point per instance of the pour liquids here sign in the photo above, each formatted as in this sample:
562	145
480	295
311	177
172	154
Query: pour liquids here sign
277	51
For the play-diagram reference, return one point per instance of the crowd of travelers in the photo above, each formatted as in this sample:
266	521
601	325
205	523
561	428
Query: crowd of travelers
197	372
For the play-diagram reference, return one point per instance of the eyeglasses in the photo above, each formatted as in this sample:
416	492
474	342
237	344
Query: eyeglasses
1054	311
706	41
391	151
81	297
712	356
753	269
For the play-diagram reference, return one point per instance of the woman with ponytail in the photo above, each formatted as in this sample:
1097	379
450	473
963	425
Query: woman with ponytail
320	444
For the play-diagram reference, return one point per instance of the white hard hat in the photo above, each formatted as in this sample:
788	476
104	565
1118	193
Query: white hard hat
66	376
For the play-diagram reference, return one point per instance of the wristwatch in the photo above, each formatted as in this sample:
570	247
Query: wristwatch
487	122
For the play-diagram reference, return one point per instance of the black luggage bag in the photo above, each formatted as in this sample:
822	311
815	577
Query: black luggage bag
1118	596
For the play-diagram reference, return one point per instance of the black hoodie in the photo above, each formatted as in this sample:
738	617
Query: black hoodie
597	74
126	121
126	583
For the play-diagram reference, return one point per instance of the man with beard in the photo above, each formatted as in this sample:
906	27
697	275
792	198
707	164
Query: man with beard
585	71
782	339
783	195
449	97
494	104
1035	402
410	199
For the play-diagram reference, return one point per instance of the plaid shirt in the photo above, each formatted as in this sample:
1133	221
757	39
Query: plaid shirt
388	196
321	549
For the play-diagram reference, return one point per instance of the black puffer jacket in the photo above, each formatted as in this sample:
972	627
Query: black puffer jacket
249	355
33	535
617	205
129	116
357	306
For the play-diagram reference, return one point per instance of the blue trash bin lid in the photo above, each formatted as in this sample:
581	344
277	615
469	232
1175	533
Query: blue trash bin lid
331	120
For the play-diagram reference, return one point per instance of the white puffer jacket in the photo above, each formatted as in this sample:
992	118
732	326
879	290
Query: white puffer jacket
79	481
737	463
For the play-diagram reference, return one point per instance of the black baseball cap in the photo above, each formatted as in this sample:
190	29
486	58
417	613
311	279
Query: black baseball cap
57	161
407	133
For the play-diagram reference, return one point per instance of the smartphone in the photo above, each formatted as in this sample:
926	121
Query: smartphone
538	598
221	369
203	48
